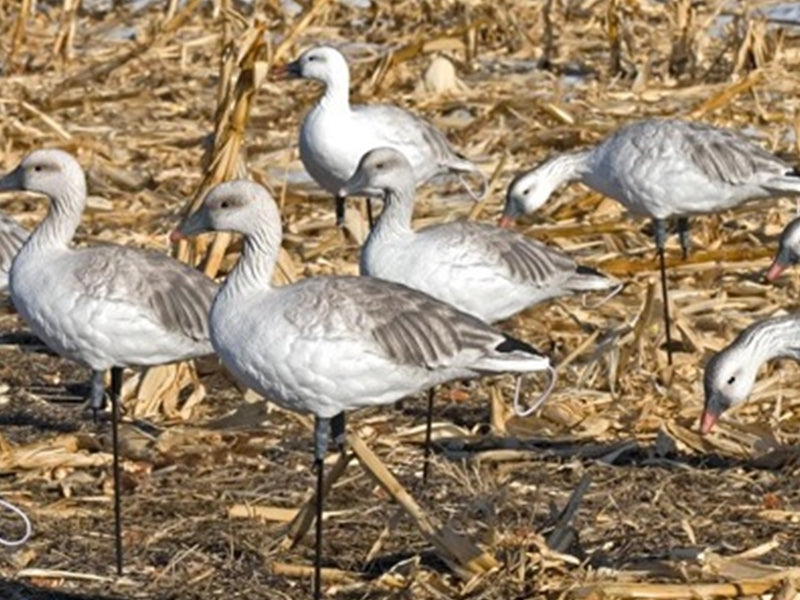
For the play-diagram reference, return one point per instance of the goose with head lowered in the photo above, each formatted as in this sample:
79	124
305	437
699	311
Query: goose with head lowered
730	375
325	345
335	134
106	307
663	169
788	253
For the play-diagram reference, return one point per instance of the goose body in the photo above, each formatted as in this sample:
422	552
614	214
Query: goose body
486	271
663	168
328	344
12	236
103	306
335	135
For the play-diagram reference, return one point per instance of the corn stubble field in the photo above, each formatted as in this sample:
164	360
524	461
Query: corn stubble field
607	492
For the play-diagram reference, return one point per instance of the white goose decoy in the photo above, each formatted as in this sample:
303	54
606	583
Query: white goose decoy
662	168
488	272
788	250
105	307
12	236
328	344
731	373
335	135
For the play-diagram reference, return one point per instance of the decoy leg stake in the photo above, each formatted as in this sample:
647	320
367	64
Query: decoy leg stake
428	435
116	392
321	431
97	395
369	214
683	236
660	231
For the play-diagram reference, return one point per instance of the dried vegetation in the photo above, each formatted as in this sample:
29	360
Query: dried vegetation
608	492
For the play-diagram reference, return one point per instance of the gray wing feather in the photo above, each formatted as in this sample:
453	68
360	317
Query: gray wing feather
720	154
178	295
405	128
409	327
729	157
525	260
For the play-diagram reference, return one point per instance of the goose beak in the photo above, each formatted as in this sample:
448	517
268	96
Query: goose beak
506	221
707	421
290	70
12	181
195	223
775	270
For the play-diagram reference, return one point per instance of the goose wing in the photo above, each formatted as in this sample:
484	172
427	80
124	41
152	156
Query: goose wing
174	294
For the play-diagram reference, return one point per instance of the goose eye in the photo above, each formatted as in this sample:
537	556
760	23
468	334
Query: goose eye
224	204
37	168
732	380
525	191
380	165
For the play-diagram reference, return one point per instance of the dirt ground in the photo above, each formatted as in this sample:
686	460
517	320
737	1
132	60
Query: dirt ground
658	511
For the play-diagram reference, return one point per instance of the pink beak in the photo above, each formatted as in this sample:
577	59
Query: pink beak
506	221
707	422
775	271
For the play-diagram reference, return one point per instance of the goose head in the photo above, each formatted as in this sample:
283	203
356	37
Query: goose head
727	382
526	193
322	63
788	250
379	172
239	206
51	172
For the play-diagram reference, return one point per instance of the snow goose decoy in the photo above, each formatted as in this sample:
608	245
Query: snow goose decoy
662	168
105	307
335	135
486	271
12	236
788	250
731	373
328	344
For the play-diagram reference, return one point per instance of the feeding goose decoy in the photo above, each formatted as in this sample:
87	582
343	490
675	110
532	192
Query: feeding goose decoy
731	373
105	307
329	344
12	236
788	253
662	168
484	270
335	135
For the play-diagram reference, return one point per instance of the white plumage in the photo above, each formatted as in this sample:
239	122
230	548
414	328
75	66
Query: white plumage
335	135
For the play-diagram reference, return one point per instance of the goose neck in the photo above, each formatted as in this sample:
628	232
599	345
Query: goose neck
337	93
62	220
256	266
395	220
